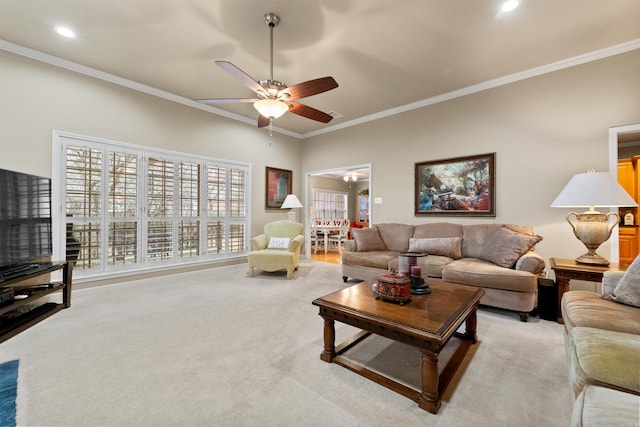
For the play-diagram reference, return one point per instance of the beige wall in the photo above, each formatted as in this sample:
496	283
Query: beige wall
37	99
543	131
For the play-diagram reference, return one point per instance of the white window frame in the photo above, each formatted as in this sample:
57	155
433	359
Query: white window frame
60	140
334	193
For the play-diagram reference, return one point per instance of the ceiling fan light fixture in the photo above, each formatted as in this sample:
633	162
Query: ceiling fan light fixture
350	176
271	108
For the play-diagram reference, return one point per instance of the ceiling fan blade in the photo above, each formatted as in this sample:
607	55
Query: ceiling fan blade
240	75
309	88
225	100
262	121
309	112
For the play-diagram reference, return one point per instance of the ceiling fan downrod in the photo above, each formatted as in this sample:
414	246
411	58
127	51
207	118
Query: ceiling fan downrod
272	20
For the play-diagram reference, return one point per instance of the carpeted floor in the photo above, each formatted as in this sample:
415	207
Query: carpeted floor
216	347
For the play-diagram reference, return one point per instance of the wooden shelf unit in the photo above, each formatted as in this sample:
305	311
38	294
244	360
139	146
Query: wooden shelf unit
11	325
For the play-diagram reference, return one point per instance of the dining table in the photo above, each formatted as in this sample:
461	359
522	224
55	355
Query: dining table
326	228
326	231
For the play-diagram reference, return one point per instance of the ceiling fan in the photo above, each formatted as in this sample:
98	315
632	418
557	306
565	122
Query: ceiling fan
274	97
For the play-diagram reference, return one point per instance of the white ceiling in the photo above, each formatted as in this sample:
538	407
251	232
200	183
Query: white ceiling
387	56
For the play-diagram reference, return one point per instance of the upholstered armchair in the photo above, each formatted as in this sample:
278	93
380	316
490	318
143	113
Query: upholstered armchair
278	248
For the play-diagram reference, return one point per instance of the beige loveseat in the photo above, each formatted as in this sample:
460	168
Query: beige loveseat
498	258
602	346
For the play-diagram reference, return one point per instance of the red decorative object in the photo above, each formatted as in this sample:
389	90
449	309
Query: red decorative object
394	287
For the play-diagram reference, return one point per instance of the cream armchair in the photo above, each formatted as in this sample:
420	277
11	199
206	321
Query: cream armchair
278	248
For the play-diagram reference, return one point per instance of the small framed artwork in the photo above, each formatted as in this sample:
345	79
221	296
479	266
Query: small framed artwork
461	186
277	186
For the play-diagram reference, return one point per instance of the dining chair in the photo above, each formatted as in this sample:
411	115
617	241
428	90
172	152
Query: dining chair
316	238
337	239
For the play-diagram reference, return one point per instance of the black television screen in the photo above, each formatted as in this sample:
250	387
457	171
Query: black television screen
25	218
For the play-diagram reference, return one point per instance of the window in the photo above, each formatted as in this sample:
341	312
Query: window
135	208
329	204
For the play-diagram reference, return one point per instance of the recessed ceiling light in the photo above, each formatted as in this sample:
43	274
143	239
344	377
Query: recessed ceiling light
66	32
510	5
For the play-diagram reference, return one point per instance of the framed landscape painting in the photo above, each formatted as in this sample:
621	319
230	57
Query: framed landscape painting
277	185
462	186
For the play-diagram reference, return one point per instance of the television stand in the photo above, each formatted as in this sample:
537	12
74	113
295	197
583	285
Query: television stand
12	322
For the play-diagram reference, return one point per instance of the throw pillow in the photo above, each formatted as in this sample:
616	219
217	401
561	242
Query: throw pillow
444	246
627	291
368	239
507	246
279	243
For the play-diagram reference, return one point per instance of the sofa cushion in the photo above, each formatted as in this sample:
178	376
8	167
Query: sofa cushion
375	259
600	406
450	247
585	308
506	246
604	358
475	236
433	267
437	229
368	239
627	291
484	274
396	236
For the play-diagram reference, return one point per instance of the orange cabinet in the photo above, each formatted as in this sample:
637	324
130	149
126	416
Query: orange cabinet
627	175
629	237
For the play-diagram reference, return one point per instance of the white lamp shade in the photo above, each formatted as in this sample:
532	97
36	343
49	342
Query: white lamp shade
271	108
597	189
291	201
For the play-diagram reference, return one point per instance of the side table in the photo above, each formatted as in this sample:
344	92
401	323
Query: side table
567	269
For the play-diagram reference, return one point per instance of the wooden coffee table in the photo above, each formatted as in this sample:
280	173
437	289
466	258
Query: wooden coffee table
427	322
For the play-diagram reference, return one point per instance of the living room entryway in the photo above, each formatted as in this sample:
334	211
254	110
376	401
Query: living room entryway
336	198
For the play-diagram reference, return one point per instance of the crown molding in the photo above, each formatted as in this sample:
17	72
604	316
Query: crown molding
111	78
491	84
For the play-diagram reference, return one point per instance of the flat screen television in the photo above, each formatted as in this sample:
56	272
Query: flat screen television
25	220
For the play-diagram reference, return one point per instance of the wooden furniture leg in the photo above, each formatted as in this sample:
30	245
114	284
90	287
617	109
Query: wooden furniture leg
429	398
329	341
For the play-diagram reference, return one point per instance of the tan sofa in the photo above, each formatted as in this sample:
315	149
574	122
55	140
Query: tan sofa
498	258
602	347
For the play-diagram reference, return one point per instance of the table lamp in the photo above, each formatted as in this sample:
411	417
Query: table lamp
591	190
291	202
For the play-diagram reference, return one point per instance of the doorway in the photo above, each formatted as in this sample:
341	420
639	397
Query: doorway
353	180
623	141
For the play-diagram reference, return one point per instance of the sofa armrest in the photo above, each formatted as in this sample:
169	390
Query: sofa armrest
609	281
350	246
259	242
531	262
296	243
